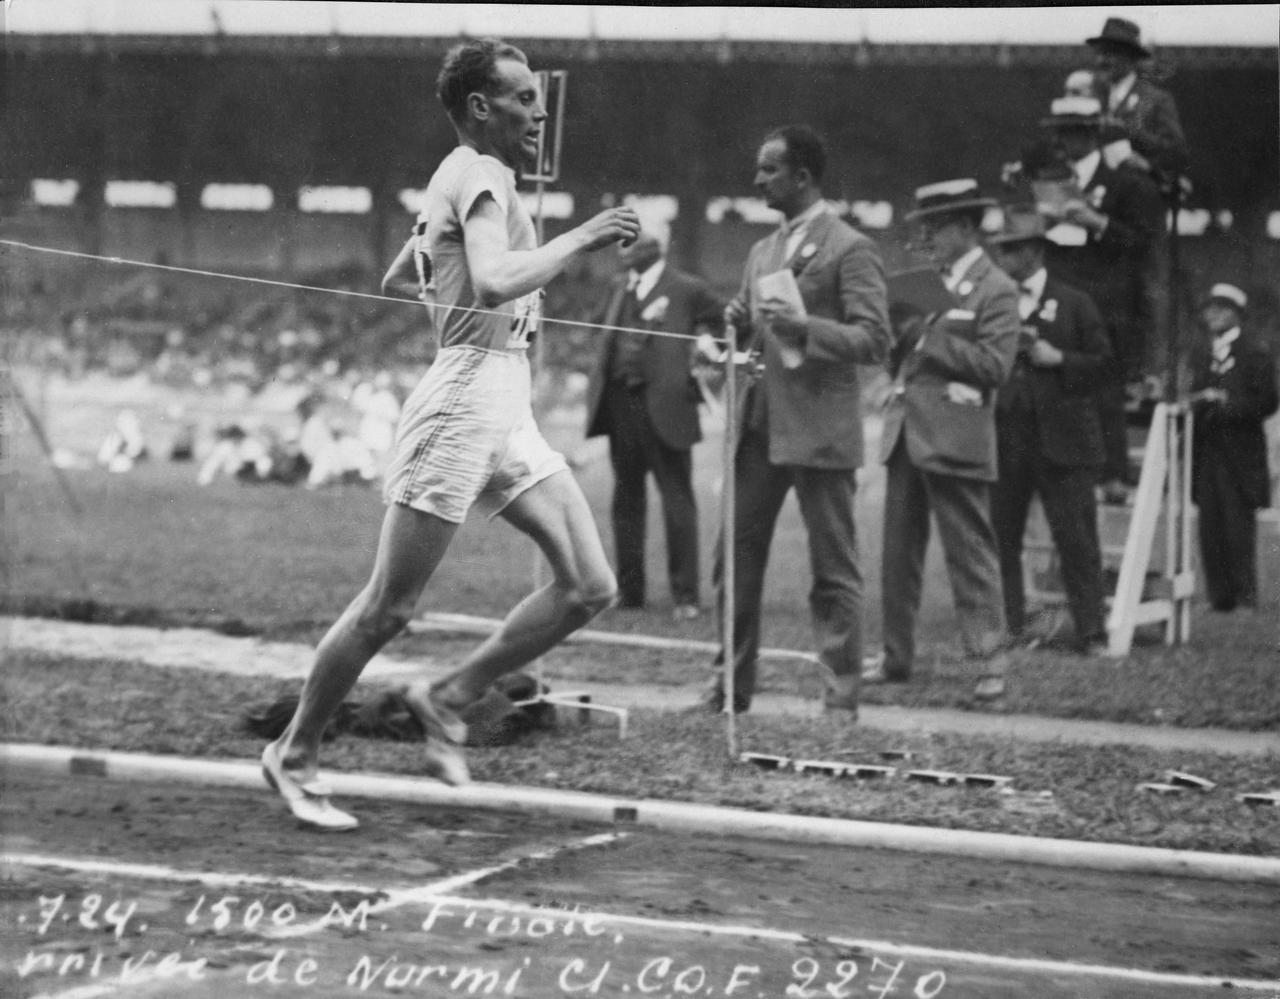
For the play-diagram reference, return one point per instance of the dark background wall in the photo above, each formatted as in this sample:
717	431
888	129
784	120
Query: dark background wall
679	120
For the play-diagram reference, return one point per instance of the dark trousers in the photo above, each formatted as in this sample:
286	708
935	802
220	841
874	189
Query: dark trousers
1115	428
635	450
1072	512
825	497
1228	535
961	508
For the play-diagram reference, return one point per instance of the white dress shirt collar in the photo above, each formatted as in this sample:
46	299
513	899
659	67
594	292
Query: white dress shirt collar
1030	292
1223	341
1120	90
960	267
797	227
643	283
1086	167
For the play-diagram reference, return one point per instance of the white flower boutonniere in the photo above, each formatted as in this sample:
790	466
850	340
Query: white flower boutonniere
1049	311
965	288
1096	196
1131	102
656	311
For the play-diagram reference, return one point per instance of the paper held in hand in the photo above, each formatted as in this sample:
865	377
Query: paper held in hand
782	284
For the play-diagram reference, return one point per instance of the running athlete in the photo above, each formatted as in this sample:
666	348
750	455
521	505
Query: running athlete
467	434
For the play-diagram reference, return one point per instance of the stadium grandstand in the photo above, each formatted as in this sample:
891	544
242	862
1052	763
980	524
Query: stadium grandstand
292	139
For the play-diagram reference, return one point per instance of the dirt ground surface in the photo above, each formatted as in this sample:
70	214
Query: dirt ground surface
194	648
135	890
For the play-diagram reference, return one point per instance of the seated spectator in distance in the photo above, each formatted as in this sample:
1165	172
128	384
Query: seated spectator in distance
124	445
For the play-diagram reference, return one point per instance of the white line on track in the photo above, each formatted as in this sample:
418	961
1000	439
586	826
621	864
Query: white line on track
436	894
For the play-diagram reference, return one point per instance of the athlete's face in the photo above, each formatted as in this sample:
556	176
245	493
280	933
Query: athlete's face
516	114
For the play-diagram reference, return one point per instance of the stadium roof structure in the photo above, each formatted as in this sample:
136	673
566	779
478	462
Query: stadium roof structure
1191	33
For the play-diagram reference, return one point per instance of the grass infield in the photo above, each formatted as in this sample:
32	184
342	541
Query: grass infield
154	548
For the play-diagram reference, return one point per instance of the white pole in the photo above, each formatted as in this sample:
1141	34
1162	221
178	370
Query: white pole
539	359
728	518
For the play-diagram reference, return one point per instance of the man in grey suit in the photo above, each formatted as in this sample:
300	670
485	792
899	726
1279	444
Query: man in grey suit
802	422
643	397
939	439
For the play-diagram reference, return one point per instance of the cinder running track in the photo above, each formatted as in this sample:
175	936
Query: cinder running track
128	890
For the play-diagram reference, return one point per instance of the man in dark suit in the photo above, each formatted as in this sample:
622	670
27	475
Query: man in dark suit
802	422
1145	113
1233	391
643	397
1048	436
939	439
1104	243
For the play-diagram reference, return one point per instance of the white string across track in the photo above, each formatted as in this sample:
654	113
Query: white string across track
581	324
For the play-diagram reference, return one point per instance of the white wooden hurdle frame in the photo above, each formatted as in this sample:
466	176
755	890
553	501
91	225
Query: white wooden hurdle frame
1165	482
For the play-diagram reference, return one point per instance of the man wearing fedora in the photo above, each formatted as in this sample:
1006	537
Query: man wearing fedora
939	439
1104	242
1233	391
1146	113
802	421
1048	436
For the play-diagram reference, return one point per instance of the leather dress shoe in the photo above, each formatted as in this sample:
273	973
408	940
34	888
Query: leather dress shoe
713	703
873	671
1093	646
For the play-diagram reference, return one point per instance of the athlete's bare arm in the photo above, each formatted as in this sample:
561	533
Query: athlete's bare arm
500	274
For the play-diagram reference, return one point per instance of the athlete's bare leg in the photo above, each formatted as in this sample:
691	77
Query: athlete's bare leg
555	514
410	548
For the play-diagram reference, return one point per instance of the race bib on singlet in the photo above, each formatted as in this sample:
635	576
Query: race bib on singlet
525	320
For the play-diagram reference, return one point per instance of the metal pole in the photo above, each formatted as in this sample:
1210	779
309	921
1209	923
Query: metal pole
539	358
728	518
1174	296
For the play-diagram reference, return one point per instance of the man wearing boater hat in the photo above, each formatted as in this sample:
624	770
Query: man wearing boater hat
1234	391
1147	113
939	439
1049	439
1104	242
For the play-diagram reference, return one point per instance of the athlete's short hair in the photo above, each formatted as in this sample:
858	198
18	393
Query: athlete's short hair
469	68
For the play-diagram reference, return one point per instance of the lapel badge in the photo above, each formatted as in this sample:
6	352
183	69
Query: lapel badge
965	288
656	311
1049	311
808	250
